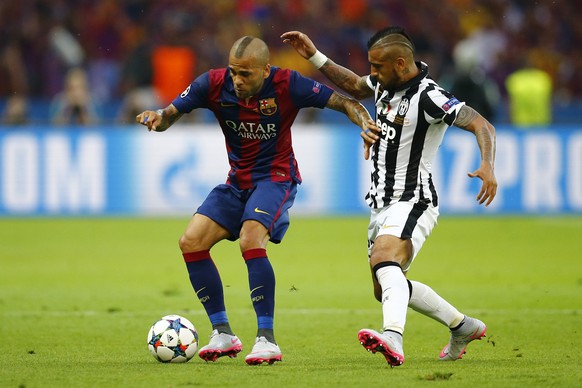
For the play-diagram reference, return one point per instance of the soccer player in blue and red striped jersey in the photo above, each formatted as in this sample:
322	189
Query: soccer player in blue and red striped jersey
255	105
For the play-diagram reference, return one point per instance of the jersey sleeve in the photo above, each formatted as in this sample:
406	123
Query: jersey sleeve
195	96
440	105
306	92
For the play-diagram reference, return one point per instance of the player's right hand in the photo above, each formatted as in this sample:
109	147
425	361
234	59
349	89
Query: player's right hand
300	42
489	186
150	119
370	135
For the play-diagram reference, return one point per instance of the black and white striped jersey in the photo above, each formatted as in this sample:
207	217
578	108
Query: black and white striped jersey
413	120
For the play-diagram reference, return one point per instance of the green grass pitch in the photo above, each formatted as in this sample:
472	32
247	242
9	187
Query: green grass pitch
77	297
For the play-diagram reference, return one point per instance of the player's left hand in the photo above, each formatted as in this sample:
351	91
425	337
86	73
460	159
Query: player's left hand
150	119
489	187
370	135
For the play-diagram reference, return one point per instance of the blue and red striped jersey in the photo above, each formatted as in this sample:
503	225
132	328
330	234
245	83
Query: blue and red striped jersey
258	135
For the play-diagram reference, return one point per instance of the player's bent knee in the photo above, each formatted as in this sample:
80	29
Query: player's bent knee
244	243
383	264
382	259
189	245
183	244
253	235
247	244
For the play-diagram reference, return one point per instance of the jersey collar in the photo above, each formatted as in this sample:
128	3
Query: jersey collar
413	81
423	67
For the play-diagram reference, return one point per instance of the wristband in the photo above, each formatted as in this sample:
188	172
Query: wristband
160	112
318	59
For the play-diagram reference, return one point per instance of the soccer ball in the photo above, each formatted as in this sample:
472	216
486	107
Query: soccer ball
173	339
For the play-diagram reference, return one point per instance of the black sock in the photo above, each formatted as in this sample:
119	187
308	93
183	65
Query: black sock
268	334
223	328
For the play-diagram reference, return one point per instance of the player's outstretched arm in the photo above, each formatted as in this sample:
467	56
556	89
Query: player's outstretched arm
469	119
342	77
359	115
159	120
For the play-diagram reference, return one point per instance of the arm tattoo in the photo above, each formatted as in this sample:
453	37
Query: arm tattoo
484	132
465	116
168	118
346	79
355	111
173	118
335	102
486	141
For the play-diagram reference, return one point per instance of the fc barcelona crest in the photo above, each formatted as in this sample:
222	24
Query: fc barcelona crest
268	106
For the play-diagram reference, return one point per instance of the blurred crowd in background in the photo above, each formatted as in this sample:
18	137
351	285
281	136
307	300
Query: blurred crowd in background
102	61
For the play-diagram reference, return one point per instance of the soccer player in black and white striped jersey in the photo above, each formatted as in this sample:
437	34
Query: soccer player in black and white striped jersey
413	113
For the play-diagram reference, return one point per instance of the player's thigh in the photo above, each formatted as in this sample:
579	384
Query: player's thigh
407	225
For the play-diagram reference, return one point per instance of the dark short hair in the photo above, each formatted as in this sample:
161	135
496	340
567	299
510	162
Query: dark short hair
389	31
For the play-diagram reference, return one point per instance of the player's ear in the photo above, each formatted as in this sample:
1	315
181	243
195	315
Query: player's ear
400	64
267	71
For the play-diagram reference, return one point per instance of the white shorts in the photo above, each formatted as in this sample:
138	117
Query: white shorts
405	220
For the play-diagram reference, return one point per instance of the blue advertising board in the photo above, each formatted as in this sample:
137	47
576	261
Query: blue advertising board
128	171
